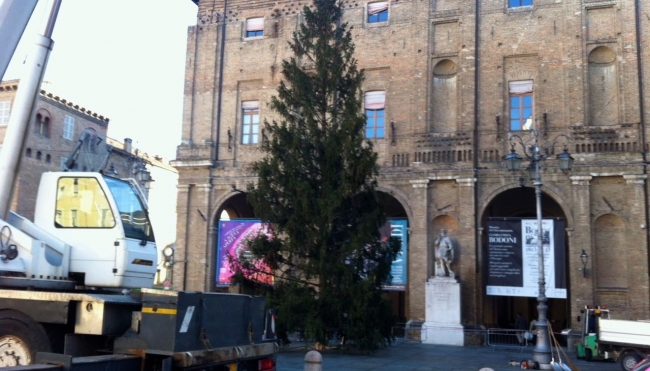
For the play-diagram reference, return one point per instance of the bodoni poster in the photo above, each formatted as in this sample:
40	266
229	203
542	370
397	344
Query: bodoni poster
512	257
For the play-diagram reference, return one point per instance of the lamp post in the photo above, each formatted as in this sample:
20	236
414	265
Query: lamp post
532	151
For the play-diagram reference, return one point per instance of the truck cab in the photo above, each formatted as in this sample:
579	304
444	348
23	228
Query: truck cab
89	229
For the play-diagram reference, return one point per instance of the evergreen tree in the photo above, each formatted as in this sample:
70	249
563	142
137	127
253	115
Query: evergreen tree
316	188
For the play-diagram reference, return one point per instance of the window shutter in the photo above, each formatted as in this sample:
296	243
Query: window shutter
374	8
251	104
255	24
375	100
521	87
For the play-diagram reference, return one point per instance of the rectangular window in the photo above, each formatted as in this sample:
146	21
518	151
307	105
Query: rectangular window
68	127
250	122
254	27
5	110
518	3
521	105
374	104
378	12
82	203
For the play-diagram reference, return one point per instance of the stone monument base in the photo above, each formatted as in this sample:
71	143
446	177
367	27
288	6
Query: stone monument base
443	334
442	325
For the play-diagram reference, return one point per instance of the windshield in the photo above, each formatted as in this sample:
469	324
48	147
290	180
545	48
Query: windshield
132	212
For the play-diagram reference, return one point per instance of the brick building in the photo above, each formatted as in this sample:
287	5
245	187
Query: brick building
54	131
448	82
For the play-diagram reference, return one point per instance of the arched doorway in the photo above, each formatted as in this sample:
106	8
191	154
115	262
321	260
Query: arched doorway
398	219
234	207
500	310
237	208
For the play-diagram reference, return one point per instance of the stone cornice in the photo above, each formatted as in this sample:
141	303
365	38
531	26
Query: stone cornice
635	178
190	163
580	179
420	183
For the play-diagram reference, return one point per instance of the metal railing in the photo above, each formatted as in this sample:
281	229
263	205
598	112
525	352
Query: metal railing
499	337
399	330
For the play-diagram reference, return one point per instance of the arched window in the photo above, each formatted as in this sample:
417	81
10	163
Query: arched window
38	155
28	152
48	159
42	124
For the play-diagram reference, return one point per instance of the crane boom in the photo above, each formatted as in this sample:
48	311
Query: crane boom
22	111
14	15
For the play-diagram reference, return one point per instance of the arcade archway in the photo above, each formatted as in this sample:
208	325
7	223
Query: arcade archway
500	311
237	207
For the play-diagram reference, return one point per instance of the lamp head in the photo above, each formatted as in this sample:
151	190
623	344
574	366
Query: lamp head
513	160
565	161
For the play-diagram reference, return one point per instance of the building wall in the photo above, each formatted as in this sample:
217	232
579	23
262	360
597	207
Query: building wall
447	97
46	150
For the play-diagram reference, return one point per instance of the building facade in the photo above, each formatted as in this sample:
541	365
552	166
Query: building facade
54	131
448	83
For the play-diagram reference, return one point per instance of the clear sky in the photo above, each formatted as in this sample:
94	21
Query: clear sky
124	59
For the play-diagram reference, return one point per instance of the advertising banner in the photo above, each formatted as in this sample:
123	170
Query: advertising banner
512	257
397	228
233	235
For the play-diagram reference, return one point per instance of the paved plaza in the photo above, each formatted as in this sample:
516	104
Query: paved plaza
407	355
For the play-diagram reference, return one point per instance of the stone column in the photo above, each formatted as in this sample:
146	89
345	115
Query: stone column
199	250
179	267
467	254
418	253
581	289
637	253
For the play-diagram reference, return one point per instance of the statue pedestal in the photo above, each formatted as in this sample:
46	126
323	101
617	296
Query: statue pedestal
442	324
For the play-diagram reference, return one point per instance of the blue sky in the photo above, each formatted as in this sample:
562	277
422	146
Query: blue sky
124	59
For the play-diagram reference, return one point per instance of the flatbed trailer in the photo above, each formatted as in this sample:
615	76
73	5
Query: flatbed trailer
165	330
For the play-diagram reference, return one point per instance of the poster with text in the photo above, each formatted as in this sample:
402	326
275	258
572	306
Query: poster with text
397	228
513	257
233	235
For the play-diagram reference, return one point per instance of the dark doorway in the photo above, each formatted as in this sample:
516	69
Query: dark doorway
500	311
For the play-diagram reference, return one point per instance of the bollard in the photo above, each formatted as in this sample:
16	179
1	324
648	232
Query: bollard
569	344
313	361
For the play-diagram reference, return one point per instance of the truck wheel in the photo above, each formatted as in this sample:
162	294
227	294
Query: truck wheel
588	355
628	360
20	339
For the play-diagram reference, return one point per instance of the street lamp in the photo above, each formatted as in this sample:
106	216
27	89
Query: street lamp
584	257
532	151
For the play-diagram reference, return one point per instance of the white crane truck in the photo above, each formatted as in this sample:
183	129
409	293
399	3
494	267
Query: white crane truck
75	284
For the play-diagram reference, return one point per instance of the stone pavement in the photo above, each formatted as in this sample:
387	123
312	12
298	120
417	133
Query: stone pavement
407	355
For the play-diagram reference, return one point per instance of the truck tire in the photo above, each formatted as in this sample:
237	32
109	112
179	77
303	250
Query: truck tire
20	339
628	360
588	355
